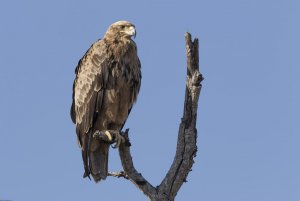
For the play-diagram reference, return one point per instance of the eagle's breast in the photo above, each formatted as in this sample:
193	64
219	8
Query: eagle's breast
123	83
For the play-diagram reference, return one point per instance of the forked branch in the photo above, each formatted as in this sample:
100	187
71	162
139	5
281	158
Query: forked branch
187	137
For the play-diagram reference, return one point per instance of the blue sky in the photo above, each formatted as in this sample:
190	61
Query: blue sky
248	118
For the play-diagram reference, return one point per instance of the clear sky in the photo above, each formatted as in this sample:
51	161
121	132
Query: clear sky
248	117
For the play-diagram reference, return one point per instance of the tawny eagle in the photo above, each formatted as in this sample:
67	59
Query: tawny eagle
106	86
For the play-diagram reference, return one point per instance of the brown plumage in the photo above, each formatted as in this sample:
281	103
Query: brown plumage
107	83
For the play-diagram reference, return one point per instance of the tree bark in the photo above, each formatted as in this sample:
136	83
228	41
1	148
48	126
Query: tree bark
187	137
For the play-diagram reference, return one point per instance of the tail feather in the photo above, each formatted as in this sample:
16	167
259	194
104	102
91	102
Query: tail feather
95	157
98	157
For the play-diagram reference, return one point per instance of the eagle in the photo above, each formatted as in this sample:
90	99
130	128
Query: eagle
107	83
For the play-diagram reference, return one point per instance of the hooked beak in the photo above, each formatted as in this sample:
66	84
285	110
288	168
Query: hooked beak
131	31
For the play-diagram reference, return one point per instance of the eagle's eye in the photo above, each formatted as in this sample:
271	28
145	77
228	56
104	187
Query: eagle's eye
122	26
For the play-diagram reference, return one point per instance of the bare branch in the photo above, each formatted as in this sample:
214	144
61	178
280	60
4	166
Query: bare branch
133	174
187	137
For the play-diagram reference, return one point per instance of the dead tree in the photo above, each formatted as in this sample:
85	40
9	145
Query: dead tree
186	143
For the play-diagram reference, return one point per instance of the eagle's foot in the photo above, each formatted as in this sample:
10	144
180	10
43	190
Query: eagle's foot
118	139
111	136
103	135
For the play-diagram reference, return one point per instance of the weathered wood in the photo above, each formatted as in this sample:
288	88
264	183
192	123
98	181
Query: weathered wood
134	176
187	137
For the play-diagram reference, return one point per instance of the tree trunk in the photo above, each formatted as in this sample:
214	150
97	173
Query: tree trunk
187	137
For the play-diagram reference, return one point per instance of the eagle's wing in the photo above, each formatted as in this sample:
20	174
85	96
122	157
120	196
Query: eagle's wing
88	88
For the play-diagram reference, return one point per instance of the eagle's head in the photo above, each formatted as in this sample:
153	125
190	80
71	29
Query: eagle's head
121	30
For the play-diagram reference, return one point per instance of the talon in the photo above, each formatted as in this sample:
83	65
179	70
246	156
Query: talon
107	133
118	139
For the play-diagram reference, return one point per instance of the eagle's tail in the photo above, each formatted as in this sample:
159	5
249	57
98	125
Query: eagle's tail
98	160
